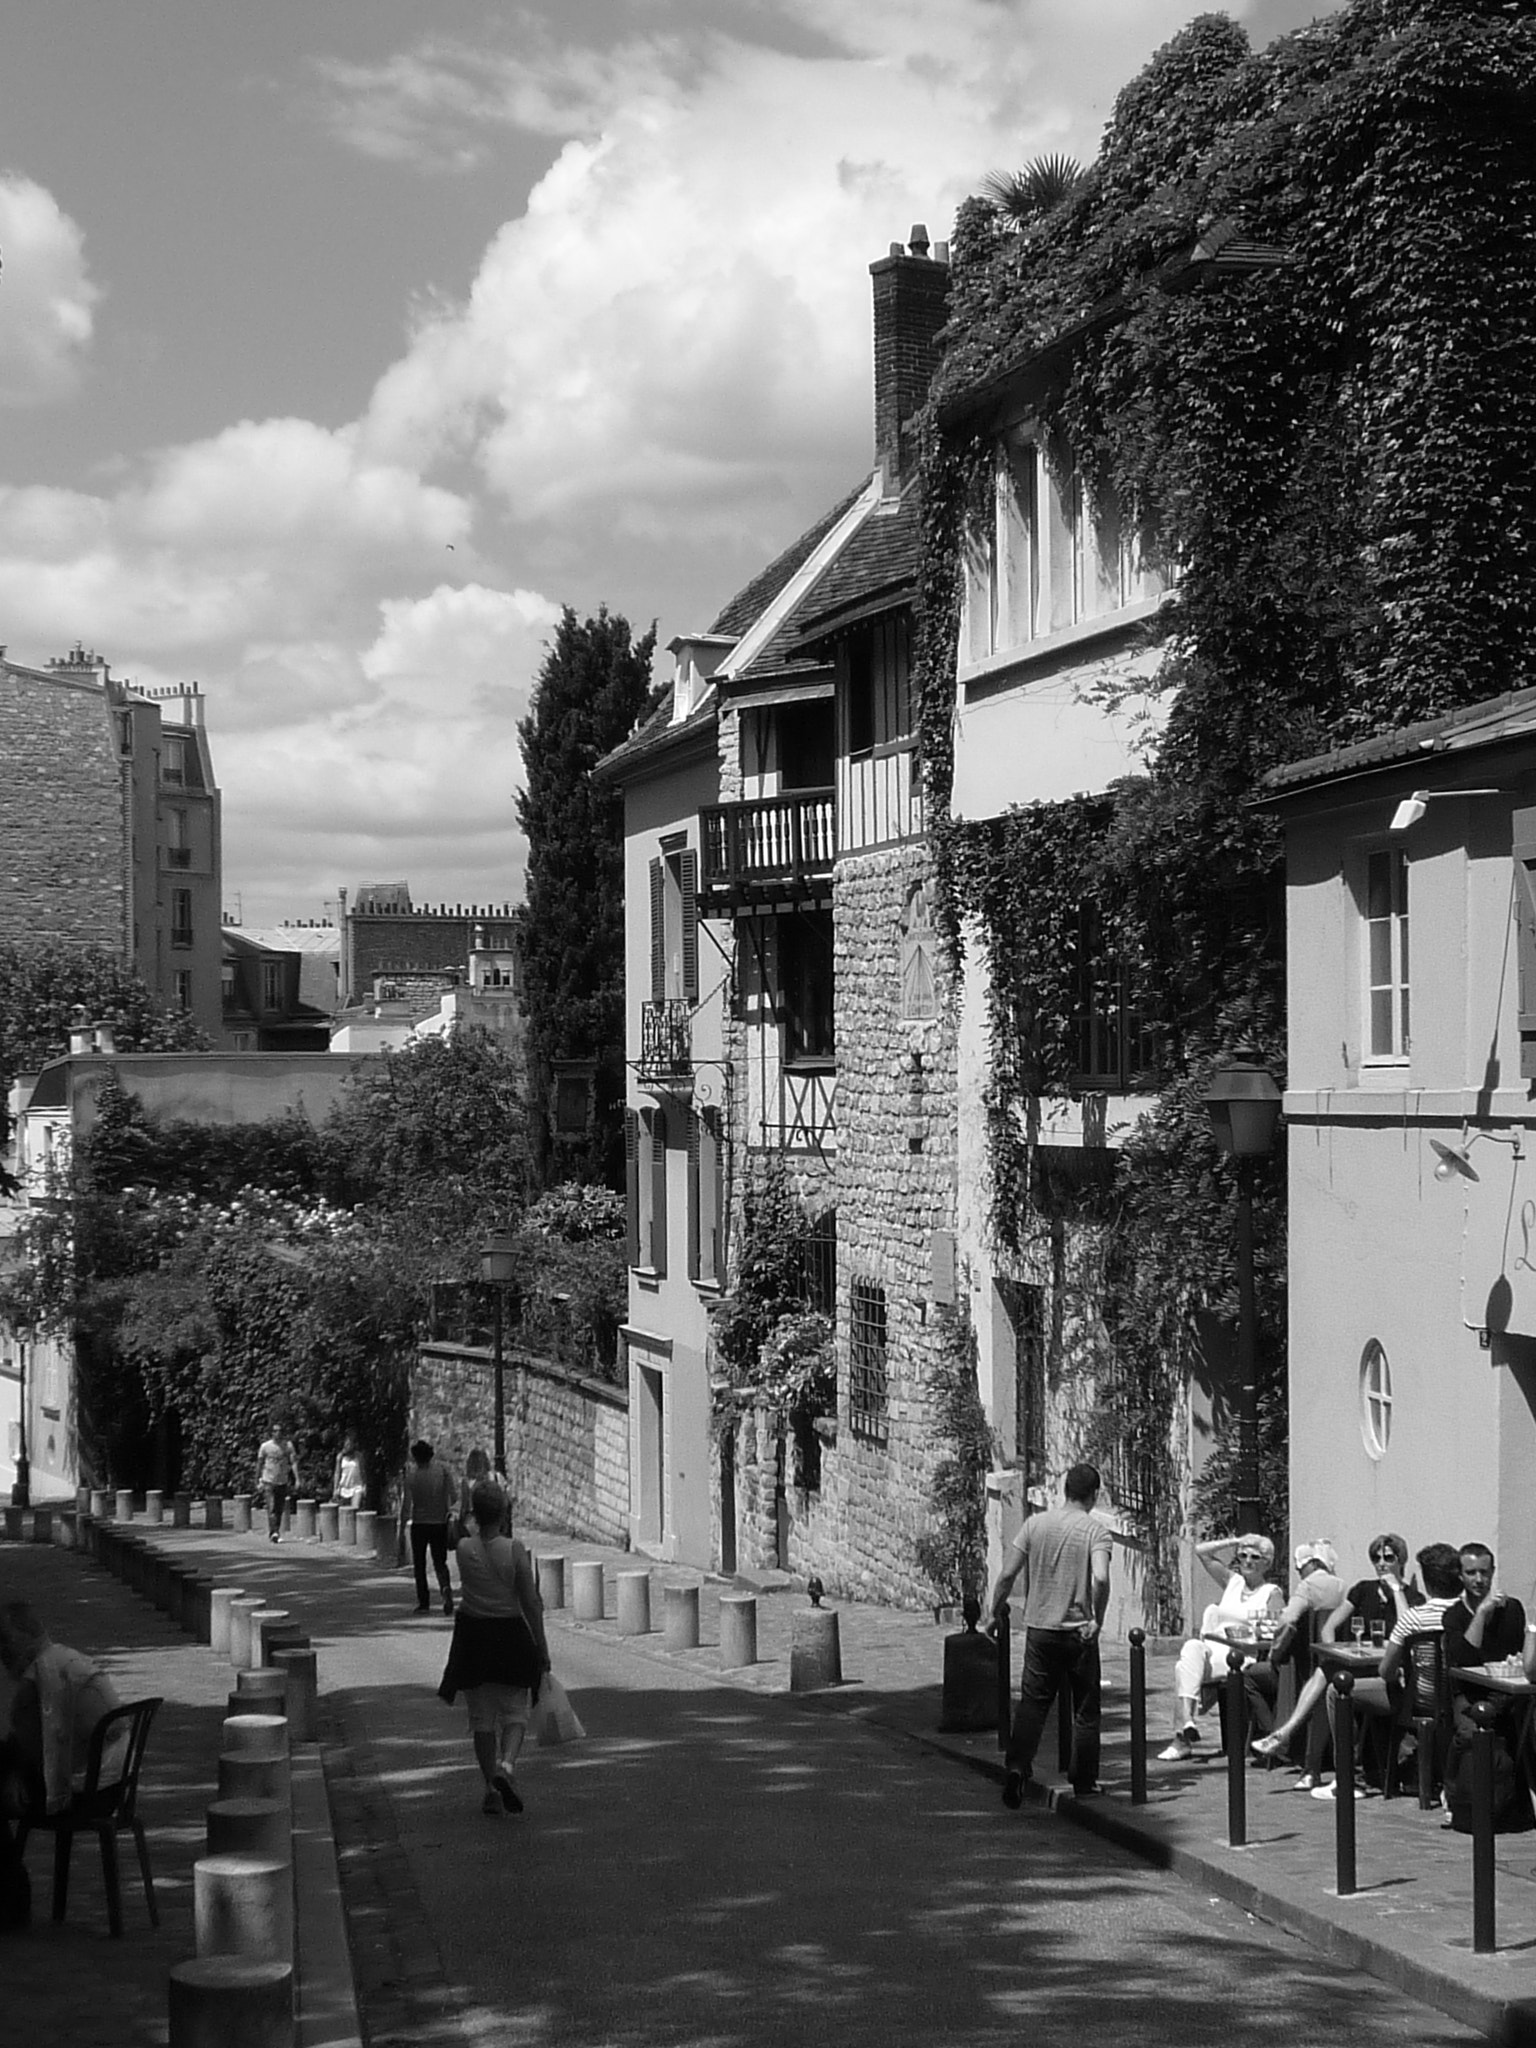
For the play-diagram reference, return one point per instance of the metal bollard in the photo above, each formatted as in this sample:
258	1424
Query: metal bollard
1004	1677
1138	1717
1064	1729
1484	1940
1237	1752
1344	1782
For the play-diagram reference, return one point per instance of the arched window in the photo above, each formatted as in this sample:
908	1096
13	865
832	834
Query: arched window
919	984
1375	1399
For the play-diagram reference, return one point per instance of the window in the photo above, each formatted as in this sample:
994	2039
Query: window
706	1198
645	1187
675	926
919	989
227	984
805	985
173	761
1375	1399
178	847
819	1268
1113	1048
807	737
1386	929
181	917
867	1387
271	984
181	983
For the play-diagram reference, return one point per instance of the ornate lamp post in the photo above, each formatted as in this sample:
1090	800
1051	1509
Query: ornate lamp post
1243	1104
498	1269
21	1492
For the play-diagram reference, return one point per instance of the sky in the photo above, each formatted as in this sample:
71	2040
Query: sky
341	345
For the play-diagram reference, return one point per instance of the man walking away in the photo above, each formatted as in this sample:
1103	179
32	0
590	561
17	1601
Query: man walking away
276	1476
1063	1558
429	1493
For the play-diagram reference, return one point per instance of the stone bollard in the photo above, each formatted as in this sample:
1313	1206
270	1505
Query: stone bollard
634	1591
815	1652
386	1541
65	1528
240	1519
158	1583
250	1827
242	1652
42	1525
552	1581
198	1607
251	1686
231	2002
304	1518
15	1527
99	1502
219	1602
738	1630
680	1617
243	1776
366	1519
587	1588
243	1906
213	1511
82	1500
255	1734
154	1505
181	1511
301	1673
197	1512
124	1504
267	1623
346	1526
328	1521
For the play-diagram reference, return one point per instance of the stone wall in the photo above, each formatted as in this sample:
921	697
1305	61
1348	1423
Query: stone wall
63	831
567	1436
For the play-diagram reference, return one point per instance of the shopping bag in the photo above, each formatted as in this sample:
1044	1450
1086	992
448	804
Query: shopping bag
554	1718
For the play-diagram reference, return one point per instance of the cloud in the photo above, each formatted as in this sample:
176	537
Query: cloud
47	300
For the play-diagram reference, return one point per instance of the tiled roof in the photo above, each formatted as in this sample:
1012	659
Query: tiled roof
754	599
880	561
656	733
1508	717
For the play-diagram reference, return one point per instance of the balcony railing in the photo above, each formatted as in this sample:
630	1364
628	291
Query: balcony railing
769	844
666	1041
807	1102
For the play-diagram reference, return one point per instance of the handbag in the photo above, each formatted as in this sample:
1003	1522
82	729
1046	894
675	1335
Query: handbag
555	1720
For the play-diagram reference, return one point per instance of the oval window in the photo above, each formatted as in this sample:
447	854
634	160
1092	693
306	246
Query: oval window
1375	1399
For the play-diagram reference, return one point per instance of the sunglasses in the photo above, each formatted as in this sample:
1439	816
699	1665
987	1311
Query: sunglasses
1251	1557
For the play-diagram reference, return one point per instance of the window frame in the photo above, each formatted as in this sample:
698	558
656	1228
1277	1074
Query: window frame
181	919
868	1362
1398	987
1377	1400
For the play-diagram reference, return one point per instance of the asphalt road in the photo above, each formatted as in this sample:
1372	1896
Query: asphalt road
716	1869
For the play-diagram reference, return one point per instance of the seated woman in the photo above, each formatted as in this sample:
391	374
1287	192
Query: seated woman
1384	1598
1248	1596
1319	1591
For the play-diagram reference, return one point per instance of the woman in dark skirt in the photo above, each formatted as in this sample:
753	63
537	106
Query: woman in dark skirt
498	1655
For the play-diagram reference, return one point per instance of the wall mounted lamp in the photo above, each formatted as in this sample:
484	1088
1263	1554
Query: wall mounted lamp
1454	1162
1412	808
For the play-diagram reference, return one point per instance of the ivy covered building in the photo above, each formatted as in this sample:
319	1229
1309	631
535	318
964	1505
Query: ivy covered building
1229	464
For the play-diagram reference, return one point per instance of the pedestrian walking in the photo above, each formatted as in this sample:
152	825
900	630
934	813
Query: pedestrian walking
348	1486
499	1654
1063	1558
277	1473
429	1496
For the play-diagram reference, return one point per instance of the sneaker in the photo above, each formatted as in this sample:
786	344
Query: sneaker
490	1805
1267	1745
1307	1782
271	1535
503	1789
1327	1791
1179	1751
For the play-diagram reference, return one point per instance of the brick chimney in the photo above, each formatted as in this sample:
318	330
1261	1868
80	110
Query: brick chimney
911	303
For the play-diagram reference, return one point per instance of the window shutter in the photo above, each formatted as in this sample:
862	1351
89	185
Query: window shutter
690	884
632	1186
695	1194
659	1191
658	933
716	1247
1525	936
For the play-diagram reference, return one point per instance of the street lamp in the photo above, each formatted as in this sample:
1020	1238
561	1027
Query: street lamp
498	1269
21	1492
1243	1104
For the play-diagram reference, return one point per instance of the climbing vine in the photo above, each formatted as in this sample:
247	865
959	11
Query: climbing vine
1332	445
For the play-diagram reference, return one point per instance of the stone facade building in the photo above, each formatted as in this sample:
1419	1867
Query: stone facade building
110	831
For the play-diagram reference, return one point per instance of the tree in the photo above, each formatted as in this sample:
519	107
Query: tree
594	685
1042	185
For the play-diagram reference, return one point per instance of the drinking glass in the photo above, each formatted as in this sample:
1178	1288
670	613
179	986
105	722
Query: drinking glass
1357	1626
1378	1634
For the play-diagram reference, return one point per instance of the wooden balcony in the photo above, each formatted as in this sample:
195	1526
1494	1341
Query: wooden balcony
666	1044
772	847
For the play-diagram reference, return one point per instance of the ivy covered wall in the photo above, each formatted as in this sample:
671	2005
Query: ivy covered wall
1335	453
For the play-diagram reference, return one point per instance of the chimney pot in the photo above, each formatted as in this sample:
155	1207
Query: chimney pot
918	239
106	1039
941	252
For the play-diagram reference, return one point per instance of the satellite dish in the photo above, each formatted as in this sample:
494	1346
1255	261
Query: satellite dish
1452	1161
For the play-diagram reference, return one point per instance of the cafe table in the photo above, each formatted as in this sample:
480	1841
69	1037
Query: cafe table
1497	1678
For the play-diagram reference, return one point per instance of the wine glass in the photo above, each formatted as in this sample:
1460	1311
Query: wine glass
1357	1626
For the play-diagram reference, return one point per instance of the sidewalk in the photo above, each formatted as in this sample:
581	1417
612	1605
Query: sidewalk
1409	1924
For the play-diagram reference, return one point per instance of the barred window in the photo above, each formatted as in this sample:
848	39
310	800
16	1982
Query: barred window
866	1362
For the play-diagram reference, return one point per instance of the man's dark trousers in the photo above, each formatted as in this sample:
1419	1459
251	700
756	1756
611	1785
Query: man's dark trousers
431	1536
1053	1658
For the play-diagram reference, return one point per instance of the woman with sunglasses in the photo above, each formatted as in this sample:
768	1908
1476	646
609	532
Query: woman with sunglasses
1248	1596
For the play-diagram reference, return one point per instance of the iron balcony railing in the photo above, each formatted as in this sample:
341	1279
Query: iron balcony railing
769	842
666	1040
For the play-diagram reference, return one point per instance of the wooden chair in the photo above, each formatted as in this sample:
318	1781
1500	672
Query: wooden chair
106	1806
1425	1709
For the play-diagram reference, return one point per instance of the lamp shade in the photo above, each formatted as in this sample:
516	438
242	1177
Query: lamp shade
1243	1103
498	1259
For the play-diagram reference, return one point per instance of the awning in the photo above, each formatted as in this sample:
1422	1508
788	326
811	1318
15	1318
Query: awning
820	690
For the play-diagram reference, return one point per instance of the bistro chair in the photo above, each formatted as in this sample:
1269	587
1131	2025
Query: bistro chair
106	1806
1425	1710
